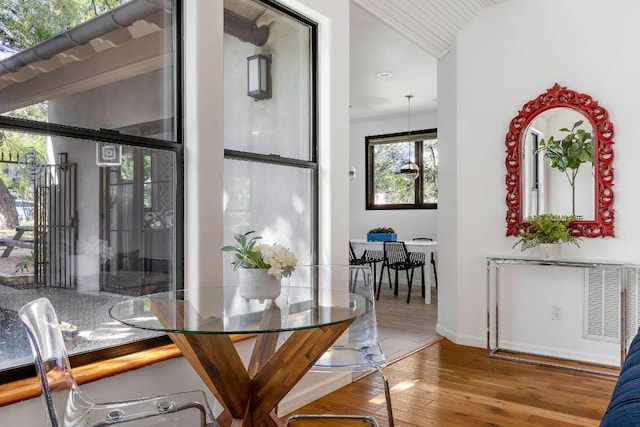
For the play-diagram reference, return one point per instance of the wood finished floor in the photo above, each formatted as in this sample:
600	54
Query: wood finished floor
446	384
404	328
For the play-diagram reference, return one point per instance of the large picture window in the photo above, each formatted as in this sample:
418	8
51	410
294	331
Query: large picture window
402	170
91	133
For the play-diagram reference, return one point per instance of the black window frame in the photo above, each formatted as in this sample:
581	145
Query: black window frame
114	137
275	159
370	143
109	136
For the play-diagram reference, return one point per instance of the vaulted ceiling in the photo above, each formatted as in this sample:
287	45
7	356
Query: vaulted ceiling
431	24
404	38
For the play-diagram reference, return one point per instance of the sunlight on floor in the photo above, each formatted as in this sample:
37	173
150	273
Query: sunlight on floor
402	386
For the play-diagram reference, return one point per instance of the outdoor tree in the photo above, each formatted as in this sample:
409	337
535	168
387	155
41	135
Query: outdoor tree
430	171
25	23
14	180
396	189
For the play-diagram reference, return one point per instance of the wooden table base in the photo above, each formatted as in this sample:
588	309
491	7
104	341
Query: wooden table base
251	400
251	395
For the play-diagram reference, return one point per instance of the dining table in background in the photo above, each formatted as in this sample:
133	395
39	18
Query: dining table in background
427	247
201	323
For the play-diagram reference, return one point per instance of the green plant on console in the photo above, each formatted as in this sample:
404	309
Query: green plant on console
382	230
547	228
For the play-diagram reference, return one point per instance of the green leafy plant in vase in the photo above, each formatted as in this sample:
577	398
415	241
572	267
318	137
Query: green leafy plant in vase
261	266
250	254
547	229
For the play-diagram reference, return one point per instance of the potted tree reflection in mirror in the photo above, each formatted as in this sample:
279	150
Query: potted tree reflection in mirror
569	153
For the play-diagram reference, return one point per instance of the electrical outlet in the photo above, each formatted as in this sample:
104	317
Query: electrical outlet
556	312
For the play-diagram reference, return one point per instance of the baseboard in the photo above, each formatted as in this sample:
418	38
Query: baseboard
468	340
582	356
312	387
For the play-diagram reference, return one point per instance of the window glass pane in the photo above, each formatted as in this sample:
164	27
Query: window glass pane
280	208
93	73
402	170
430	171
101	227
280	123
390	187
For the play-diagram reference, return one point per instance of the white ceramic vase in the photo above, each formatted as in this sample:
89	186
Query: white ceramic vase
549	250
256	283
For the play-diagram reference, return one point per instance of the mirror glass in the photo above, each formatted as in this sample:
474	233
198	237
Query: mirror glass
548	186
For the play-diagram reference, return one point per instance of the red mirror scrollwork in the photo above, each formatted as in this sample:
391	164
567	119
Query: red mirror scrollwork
559	96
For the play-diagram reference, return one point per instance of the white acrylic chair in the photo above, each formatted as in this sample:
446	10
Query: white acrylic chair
360	353
67	406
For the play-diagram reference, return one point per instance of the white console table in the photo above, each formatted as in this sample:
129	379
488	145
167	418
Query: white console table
493	291
425	246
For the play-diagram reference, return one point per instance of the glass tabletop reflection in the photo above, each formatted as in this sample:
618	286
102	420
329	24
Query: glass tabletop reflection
224	311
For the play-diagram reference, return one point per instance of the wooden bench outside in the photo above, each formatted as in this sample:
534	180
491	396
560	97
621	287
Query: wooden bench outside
15	242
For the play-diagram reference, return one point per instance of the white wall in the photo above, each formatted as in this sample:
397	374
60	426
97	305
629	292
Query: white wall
497	65
204	136
408	223
448	298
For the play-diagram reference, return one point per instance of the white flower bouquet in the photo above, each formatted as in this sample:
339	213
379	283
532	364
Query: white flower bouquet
280	261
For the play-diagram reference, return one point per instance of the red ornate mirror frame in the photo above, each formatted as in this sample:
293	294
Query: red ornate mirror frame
560	96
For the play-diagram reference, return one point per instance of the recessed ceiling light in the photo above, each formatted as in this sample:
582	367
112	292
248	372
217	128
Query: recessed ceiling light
384	74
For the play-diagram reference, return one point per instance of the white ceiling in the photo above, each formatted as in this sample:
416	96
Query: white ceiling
403	37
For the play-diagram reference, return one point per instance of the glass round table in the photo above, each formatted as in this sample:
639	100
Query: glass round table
201	321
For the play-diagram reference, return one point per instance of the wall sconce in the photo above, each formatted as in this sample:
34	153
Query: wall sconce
352	173
259	76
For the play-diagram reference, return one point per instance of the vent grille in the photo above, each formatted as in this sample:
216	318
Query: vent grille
633	303
603	304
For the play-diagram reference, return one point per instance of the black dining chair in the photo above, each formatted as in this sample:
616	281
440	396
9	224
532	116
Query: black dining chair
397	257
433	261
369	257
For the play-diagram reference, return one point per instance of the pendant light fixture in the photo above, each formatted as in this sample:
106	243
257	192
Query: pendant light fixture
409	170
